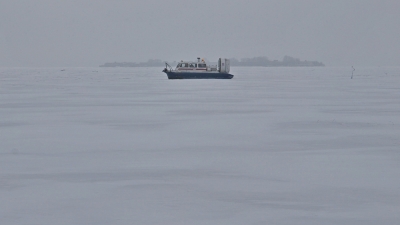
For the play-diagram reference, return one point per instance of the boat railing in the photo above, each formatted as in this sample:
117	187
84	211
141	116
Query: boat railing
167	68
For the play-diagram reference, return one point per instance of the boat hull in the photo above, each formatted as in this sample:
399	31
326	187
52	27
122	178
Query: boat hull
199	75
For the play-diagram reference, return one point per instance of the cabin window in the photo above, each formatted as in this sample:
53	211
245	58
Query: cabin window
192	65
202	65
182	65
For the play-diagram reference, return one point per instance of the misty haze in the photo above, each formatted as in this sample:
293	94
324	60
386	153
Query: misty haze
90	33
93	132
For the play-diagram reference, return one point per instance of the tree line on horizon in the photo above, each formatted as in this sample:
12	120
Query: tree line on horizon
287	61
264	61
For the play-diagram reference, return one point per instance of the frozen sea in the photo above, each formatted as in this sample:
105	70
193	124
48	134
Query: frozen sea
101	146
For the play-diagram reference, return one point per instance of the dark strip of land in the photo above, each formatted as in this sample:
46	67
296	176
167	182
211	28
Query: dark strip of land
287	61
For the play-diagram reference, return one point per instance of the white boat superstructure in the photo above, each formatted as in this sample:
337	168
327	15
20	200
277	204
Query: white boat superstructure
199	70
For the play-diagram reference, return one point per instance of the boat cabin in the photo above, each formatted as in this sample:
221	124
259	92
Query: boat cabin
200	65
191	66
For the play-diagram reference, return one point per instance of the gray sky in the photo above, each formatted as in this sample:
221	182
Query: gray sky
90	33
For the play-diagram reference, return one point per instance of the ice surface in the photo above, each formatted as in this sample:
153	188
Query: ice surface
128	146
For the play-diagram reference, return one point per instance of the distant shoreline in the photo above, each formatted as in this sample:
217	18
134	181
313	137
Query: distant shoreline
287	61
